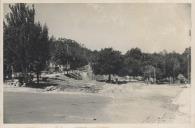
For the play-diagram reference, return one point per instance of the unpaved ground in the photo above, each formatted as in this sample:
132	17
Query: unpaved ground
128	103
139	103
184	103
22	107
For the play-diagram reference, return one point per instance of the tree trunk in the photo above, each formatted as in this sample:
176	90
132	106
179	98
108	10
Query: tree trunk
67	72
24	71
109	78
37	78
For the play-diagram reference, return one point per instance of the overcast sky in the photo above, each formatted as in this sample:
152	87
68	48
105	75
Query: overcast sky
151	27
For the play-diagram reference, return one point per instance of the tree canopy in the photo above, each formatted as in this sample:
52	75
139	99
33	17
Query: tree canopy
25	42
108	62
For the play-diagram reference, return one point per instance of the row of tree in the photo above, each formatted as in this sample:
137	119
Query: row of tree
28	49
136	63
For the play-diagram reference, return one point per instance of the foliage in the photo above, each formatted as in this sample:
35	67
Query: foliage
133	61
108	62
28	48
66	51
25	42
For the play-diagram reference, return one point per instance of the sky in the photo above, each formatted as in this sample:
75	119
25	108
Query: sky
152	27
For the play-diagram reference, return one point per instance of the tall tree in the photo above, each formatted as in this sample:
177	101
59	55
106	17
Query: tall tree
17	37
186	63
69	52
109	62
172	65
25	42
133	61
39	49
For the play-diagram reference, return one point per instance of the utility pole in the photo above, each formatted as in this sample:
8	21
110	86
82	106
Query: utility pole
154	74
67	62
188	70
189	58
12	72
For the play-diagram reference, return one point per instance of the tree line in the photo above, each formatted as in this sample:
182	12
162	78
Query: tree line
28	49
137	63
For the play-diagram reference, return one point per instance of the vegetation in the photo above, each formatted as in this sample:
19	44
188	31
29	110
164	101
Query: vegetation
26	45
108	62
135	63
28	49
68	53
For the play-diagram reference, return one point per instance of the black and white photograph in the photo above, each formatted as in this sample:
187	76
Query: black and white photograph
96	63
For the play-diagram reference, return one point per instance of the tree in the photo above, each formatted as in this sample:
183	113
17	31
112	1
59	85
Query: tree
158	62
39	53
148	71
25	42
109	62
69	52
16	36
133	61
172	65
135	53
186	63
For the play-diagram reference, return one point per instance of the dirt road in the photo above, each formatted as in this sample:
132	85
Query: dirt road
53	108
114	104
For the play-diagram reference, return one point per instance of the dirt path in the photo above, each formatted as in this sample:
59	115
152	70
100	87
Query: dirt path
130	103
143	104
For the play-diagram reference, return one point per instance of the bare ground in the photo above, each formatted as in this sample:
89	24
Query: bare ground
79	103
